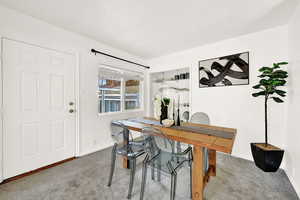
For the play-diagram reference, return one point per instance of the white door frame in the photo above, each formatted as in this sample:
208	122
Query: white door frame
1	114
77	103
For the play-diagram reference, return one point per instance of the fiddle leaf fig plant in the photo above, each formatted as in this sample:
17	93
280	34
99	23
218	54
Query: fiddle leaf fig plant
271	79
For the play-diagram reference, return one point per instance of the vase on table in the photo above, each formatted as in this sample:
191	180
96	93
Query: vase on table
164	112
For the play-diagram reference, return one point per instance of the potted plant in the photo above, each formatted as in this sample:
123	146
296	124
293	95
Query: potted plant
266	156
164	109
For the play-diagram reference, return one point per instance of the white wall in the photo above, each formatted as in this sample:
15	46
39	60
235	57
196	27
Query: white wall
292	153
1	118
234	106
227	106
94	129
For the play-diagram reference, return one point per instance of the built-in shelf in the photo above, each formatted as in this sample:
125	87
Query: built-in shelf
164	84
170	80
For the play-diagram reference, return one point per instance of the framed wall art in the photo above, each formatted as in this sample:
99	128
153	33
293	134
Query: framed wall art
224	71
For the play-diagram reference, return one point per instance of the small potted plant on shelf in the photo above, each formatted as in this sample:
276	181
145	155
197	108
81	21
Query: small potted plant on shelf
266	156
161	107
164	108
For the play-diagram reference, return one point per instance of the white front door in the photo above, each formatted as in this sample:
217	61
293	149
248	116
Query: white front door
38	94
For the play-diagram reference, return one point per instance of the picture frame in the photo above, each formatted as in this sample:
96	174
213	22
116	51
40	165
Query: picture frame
230	70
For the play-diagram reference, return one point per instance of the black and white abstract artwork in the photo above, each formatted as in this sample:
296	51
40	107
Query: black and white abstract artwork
224	71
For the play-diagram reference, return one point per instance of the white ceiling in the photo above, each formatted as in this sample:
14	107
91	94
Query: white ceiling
151	28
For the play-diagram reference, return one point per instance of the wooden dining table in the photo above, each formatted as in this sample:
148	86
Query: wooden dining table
214	138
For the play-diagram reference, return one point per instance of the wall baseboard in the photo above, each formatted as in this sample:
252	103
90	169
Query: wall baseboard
95	149
36	170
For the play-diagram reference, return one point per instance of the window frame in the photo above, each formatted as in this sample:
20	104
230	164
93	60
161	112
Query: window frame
122	98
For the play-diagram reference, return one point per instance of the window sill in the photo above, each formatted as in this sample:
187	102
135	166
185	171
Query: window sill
120	113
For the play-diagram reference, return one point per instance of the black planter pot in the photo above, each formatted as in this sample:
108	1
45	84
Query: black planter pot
267	160
164	113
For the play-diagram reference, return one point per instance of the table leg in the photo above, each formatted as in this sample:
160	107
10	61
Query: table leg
198	173
212	154
125	162
126	141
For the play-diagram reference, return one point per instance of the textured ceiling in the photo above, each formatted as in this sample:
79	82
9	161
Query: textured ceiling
158	27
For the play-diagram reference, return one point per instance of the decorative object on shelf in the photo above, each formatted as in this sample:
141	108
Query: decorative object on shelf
161	106
167	122
186	105
182	76
224	71
164	109
268	157
174	109
157	107
186	116
178	112
187	75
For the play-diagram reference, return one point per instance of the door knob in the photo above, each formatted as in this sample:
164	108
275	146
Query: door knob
71	110
71	103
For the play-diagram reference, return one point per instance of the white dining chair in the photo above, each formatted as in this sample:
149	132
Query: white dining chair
202	118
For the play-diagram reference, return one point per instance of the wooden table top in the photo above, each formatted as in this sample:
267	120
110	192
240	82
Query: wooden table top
209	141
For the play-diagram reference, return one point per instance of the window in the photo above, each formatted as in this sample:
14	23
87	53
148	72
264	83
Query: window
118	90
132	94
109	95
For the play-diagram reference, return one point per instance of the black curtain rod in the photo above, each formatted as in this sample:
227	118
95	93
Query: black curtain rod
99	52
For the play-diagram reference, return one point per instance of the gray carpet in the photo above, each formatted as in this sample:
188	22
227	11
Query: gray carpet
86	178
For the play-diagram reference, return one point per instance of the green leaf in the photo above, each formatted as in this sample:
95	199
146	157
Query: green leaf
280	93
279	74
265	74
264	82
270	79
277	65
266	69
262	93
256	86
280	71
278	100
282	76
278	82
282	63
271	91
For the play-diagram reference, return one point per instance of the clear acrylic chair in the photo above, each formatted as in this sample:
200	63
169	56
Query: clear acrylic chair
202	118
131	149
162	155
